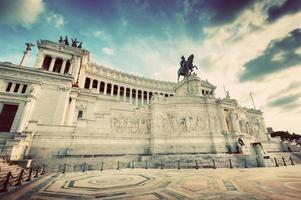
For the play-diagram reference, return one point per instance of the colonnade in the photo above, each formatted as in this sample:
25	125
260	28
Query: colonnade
16	87
56	64
122	93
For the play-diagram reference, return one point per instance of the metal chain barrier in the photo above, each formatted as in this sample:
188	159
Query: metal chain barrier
241	162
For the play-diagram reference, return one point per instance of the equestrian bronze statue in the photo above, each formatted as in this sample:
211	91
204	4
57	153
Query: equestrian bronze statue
186	67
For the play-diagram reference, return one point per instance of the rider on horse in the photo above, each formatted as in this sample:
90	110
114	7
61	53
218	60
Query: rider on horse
186	66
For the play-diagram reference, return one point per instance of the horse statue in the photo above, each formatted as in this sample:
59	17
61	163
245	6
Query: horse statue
74	42
186	67
66	41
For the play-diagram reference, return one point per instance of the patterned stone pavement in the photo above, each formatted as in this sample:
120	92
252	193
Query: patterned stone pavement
255	183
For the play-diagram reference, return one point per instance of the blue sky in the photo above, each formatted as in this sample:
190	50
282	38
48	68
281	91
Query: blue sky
245	45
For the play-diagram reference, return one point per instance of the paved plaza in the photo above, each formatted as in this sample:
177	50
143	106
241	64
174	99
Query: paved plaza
255	183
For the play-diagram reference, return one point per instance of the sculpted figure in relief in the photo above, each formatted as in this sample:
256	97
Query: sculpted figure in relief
228	118
242	126
214	122
182	122
135	126
188	123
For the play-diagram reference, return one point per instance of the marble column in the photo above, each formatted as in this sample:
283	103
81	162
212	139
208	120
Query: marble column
234	122
118	92
105	89
24	115
112	89
136	100
52	64
147	97
98	86
90	85
71	110
13	85
124	94
131	98
223	122
70	68
63	66
39	60
142	98
24	58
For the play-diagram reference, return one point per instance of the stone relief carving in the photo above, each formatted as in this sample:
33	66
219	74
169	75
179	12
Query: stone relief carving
133	126
228	118
242	126
194	88
172	122
214	123
253	126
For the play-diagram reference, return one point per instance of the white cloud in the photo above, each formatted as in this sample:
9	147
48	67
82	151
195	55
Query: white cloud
108	51
20	12
298	51
278	57
57	19
234	45
97	33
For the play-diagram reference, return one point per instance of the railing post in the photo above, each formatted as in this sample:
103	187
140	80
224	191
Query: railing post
230	162
133	164
292	161
146	164
284	163
179	166
161	164
20	178
118	165
64	168
257	161
276	163
196	164
246	166
42	170
101	169
213	161
5	184
37	172
84	168
29	175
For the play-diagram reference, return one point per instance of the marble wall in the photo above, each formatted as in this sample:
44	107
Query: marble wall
69	119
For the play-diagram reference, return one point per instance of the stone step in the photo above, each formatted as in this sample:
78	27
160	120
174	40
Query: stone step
2	141
14	173
6	150
11	142
20	137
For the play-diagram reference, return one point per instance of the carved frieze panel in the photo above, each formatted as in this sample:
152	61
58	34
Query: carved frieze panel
126	125
251	127
183	123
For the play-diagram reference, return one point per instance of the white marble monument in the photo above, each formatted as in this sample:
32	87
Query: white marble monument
67	106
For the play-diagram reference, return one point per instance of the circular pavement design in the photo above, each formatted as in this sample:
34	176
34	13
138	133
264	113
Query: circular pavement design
256	183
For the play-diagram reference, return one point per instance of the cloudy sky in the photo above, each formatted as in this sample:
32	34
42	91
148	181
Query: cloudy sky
245	45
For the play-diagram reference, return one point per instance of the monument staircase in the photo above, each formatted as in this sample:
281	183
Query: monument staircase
12	175
16	142
7	141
